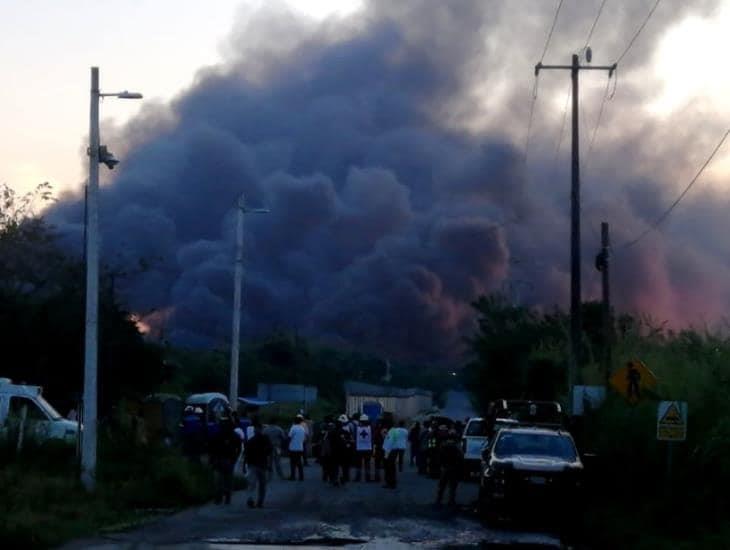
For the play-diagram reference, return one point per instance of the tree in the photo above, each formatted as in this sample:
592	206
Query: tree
42	315
505	364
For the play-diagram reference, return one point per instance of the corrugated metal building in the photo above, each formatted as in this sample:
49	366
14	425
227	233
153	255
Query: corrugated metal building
402	402
287	393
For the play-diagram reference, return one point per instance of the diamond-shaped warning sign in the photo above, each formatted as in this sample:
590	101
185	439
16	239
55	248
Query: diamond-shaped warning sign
671	421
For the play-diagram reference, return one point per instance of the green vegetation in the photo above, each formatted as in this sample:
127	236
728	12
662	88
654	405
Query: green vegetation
635	501
43	504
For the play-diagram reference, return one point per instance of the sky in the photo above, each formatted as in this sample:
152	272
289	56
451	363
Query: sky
389	141
155	47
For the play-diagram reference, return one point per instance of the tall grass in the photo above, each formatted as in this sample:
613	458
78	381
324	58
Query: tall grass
43	504
642	501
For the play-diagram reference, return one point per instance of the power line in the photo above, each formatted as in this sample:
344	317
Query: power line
552	29
638	32
534	88
668	211
600	116
595	22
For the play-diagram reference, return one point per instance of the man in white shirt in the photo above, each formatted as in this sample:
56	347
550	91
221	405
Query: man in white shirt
297	436
400	443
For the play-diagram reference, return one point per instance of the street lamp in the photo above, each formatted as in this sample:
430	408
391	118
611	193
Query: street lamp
237	283
97	154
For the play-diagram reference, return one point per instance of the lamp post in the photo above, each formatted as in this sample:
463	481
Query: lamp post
237	284
97	154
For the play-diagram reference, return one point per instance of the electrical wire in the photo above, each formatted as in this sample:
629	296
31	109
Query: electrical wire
668	211
552	29
600	116
638	31
534	88
595	22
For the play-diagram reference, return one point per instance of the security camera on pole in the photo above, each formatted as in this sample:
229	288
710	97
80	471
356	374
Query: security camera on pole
97	154
237	284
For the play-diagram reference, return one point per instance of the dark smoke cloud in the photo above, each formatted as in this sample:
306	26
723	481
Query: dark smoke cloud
388	148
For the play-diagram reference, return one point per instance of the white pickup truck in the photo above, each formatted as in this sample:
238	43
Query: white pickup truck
42	421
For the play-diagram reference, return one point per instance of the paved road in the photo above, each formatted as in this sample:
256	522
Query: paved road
311	515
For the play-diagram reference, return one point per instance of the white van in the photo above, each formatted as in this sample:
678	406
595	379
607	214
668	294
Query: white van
474	439
42	421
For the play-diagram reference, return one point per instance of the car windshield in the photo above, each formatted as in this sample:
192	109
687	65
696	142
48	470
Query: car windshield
535	444
48	408
476	428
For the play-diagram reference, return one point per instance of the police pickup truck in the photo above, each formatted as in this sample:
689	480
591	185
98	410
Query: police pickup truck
21	404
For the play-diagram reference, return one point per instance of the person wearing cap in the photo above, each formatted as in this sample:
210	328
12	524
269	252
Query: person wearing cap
363	447
342	448
297	436
451	462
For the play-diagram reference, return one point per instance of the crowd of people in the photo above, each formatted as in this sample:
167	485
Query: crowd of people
348	449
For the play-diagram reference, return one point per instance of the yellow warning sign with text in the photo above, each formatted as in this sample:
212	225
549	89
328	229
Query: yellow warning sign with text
671	421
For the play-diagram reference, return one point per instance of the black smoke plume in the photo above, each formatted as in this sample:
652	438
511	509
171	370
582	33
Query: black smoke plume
389	147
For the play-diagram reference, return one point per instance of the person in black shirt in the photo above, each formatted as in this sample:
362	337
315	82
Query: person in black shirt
451	461
225	446
258	457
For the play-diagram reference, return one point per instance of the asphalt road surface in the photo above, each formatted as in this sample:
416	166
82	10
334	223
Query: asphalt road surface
312	515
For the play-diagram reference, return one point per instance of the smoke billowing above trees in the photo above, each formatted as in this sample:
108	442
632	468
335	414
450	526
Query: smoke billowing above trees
388	147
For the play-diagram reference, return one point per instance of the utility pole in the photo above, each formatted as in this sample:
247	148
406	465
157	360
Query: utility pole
602	264
88	439
97	154
237	287
575	261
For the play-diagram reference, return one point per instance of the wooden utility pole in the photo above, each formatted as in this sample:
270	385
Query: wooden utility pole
602	265
575	262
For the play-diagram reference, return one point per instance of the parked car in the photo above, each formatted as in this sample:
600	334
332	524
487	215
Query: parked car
530	469
42	421
477	435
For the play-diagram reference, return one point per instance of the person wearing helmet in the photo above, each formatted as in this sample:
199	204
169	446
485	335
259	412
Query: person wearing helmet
363	447
451	462
297	436
342	448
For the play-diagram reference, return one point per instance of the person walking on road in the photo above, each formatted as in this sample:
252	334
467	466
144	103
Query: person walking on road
414	439
401	443
258	456
363	448
297	436
423	454
326	458
225	446
378	457
391	457
451	461
277	436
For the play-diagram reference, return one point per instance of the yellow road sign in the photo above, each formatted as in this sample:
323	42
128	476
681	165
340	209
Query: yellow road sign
633	380
671	424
